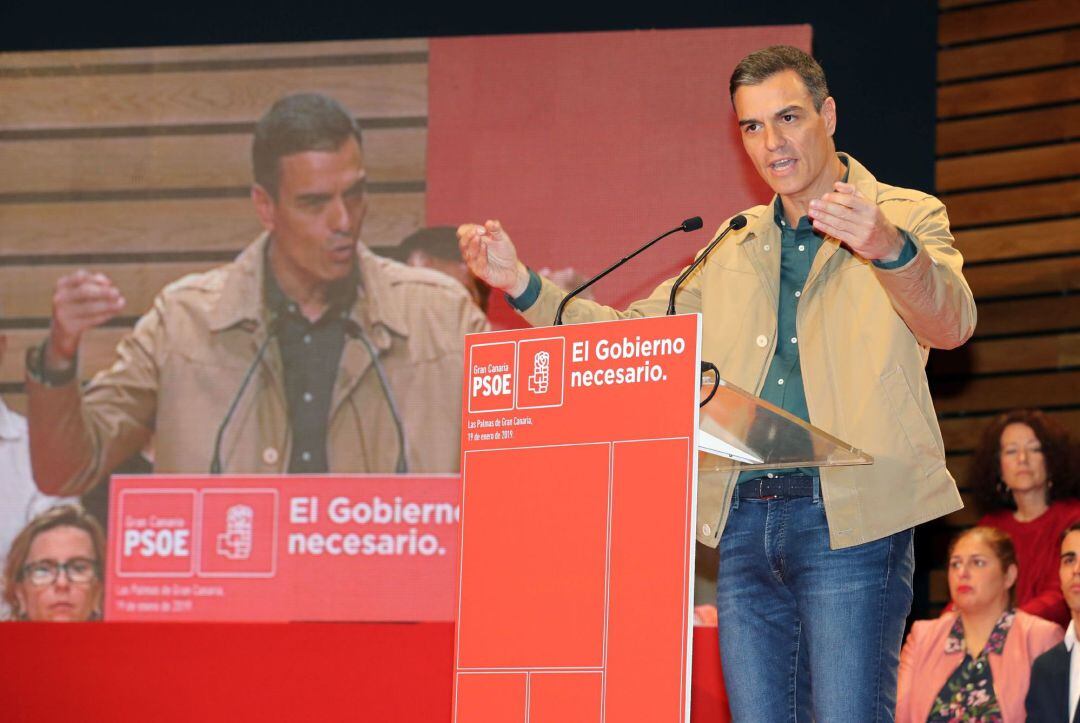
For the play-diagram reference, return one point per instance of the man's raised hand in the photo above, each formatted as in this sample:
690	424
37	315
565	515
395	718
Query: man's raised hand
849	216
82	300
491	256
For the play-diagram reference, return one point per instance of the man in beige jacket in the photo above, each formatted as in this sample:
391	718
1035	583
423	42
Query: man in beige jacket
356	359
825	304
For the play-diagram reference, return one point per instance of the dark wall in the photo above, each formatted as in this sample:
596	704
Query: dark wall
879	57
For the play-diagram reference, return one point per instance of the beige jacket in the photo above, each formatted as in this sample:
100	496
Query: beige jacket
181	366
864	335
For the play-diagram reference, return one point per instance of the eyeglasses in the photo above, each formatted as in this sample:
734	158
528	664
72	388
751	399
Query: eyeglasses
79	570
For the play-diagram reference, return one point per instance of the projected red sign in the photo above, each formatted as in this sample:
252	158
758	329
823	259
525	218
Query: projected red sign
282	548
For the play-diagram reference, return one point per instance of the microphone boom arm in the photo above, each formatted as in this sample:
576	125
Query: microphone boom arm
690	224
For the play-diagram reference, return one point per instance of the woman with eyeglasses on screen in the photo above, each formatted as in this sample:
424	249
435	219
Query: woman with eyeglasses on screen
53	570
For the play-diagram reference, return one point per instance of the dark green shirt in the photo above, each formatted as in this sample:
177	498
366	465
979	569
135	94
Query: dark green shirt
310	355
784	381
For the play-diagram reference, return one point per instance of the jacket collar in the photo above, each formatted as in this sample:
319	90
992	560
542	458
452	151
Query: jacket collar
764	223
241	301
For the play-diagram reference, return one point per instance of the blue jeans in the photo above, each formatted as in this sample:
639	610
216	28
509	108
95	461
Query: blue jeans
808	633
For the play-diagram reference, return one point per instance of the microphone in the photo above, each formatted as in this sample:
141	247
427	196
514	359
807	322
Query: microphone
734	224
353	329
215	460
690	224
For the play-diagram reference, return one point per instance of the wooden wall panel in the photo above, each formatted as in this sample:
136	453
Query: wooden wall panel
995	393
1004	19
1008	167
1037	51
147	59
1012	241
26	291
1011	93
1026	353
15	401
1025	277
97	351
1008	170
223	160
1012	316
197	226
187	98
1045	125
981	208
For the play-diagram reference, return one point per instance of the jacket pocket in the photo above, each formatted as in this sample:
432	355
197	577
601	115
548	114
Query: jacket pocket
911	422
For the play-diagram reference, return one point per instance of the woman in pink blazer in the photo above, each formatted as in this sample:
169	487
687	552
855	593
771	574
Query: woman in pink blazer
973	663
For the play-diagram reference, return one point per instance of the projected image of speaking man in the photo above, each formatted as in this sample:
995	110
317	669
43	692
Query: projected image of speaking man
355	360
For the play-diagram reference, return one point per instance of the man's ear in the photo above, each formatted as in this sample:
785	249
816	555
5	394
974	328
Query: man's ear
264	206
828	111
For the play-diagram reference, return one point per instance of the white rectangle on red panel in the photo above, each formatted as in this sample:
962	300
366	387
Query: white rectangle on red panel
261	548
491	377
577	547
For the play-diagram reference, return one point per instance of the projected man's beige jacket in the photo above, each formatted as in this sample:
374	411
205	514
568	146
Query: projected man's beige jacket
181	367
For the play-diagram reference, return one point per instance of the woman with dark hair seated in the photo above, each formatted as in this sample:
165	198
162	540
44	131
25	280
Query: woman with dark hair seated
974	662
53	571
1024	477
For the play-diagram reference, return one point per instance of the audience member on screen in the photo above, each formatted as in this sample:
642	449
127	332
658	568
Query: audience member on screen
351	342
826	304
53	569
20	499
972	664
1023	477
436	248
1055	676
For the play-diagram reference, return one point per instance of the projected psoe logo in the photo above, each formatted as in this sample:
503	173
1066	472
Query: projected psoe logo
239	532
540	373
235	542
155	533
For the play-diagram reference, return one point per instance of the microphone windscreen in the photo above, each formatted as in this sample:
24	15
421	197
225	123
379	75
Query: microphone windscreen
737	222
693	224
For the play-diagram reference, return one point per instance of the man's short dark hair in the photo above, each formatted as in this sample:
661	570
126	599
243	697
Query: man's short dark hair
295	124
760	65
1074	527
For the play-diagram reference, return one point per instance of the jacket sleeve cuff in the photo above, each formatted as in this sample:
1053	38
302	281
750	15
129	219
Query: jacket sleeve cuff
907	253
529	295
40	373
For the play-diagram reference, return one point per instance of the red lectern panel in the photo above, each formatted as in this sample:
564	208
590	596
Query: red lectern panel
578	500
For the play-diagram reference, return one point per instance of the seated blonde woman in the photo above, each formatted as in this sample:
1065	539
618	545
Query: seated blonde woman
53	571
974	662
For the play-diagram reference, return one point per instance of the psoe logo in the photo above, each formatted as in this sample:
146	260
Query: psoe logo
540	372
491	377
235	542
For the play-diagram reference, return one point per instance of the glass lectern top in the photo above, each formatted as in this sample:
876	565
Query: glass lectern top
737	430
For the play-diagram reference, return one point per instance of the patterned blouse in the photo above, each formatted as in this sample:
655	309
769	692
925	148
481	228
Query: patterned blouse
968	694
